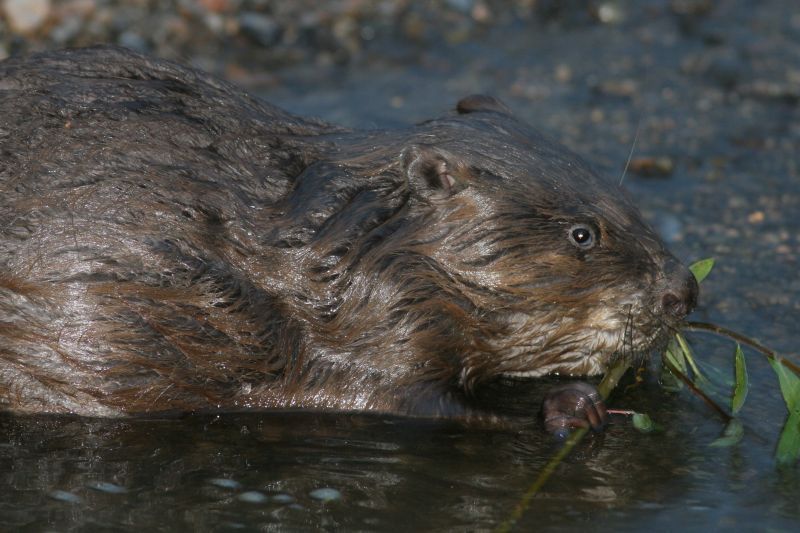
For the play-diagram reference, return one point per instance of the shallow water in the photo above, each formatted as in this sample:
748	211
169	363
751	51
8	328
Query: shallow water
260	472
717	94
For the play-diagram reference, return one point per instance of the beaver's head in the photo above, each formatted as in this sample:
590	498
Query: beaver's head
552	266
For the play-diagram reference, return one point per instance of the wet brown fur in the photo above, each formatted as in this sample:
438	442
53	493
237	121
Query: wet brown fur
169	243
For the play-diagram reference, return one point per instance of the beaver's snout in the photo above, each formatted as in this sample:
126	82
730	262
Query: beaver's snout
679	294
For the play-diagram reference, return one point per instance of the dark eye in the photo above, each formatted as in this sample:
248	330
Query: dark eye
582	236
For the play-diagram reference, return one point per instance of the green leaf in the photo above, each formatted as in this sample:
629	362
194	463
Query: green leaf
790	386
674	355
643	423
701	268
742	384
699	379
788	450
731	436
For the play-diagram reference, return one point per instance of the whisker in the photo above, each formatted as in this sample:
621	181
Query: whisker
630	154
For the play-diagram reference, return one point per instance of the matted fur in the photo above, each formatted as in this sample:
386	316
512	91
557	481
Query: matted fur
169	243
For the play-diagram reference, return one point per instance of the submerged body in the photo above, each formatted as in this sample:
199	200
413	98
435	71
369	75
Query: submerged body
169	243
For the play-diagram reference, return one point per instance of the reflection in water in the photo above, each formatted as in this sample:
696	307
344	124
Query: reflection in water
209	472
343	471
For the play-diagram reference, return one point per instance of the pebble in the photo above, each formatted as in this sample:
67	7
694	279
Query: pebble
225	483
260	28
465	6
110	488
25	16
253	496
132	40
283	498
325	494
64	496
610	13
67	30
661	166
669	227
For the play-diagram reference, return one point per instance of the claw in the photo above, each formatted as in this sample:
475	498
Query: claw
573	405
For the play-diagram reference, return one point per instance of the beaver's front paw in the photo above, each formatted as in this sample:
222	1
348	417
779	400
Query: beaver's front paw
571	406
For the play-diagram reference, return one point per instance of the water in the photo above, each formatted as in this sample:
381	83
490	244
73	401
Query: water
311	471
697	94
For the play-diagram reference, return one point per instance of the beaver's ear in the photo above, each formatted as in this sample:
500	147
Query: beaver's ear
433	172
481	102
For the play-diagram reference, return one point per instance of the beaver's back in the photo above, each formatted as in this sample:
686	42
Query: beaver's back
119	179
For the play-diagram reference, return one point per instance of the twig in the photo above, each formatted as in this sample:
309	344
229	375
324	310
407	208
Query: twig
743	339
609	382
689	383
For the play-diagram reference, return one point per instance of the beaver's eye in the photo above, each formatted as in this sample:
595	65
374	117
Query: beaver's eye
582	236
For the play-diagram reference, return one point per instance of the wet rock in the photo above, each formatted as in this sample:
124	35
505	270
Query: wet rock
465	6
67	30
26	16
325	494
621	88
670	227
763	89
64	496
723	67
610	12
253	496
725	71
107	487
652	166
225	483
283	498
260	28
132	40
690	14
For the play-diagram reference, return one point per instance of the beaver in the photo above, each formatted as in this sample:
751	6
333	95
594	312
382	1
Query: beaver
170	243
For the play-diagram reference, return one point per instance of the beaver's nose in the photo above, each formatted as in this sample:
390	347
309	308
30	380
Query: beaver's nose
679	297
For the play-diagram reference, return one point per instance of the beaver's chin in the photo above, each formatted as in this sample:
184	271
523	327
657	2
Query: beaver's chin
585	351
575	364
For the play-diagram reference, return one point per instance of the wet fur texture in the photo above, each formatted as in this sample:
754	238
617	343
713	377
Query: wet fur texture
169	243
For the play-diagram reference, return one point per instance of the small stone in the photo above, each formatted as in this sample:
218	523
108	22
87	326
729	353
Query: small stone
325	494
64	496
652	166
225	483
253	496
132	40
481	13
26	16
283	498
756	217
610	13
618	87
563	73
669	227
260	28
726	71
110	488
465	6
69	28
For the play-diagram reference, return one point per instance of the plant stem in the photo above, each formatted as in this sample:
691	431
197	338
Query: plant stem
729	333
606	386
